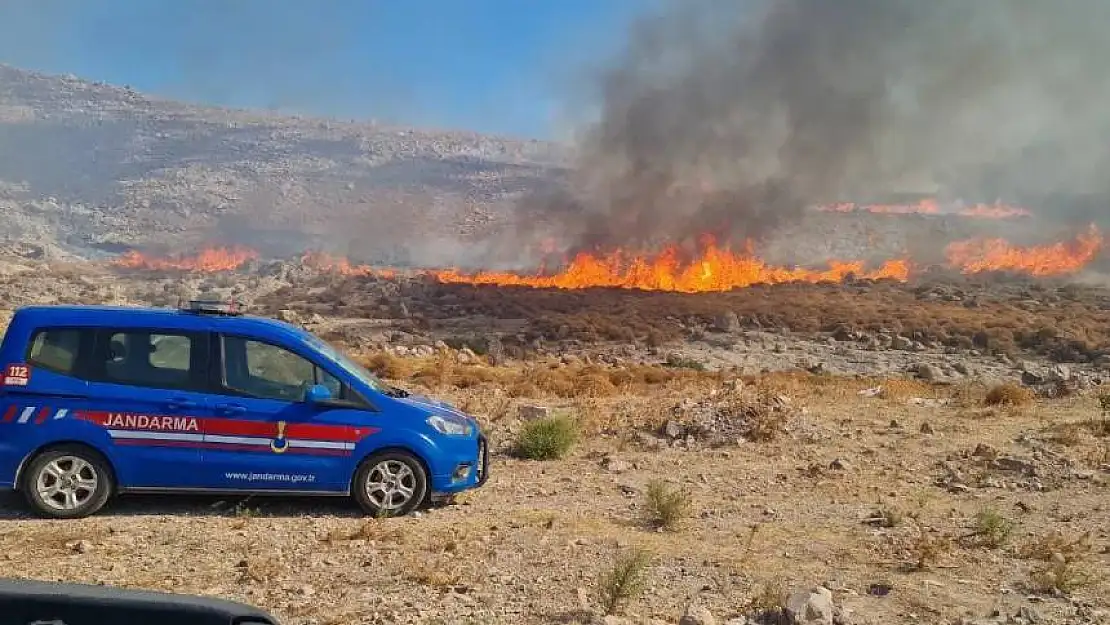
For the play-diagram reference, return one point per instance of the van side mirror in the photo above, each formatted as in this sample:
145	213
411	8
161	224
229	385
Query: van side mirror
317	394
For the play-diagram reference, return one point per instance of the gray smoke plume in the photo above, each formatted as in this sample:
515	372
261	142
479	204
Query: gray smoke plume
728	117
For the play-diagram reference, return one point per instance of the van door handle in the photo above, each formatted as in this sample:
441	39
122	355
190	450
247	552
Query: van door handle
178	403
230	409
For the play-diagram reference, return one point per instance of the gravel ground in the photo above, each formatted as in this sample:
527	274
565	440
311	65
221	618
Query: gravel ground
529	547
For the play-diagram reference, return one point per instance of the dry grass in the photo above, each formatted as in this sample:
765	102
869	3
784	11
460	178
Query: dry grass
534	378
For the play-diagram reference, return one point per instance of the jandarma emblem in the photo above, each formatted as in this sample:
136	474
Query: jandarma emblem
279	444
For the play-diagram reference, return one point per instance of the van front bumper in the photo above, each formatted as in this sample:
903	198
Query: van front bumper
469	469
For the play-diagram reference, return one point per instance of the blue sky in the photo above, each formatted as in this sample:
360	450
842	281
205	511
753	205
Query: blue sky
506	66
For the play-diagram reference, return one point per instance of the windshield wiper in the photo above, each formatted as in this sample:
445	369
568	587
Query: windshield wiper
393	391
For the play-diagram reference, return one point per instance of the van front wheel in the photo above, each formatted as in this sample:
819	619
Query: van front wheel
391	483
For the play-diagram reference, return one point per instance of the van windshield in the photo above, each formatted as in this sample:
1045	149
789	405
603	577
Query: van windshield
347	364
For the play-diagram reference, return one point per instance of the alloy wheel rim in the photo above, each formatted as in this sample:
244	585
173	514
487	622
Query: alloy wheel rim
390	484
67	483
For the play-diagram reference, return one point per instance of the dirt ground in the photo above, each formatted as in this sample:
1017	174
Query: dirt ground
876	494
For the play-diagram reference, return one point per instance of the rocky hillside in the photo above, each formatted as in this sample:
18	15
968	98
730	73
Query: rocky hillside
87	167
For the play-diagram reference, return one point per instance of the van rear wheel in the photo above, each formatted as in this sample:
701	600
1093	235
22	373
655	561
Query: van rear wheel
67	482
391	483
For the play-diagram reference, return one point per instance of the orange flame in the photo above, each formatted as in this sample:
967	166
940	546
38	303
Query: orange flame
714	269
207	260
997	210
979	255
322	261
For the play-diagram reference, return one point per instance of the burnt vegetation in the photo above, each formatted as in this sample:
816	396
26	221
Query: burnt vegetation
1064	323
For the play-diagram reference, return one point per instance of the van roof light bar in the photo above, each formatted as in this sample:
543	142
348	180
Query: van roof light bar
230	308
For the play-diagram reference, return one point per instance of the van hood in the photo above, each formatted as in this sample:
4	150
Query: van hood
434	406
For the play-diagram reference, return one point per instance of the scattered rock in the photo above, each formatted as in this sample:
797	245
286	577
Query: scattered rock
928	402
1017	465
80	546
616	465
530	412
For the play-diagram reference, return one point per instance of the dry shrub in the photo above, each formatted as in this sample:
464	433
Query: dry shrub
1067	434
378	530
765	418
1063	567
593	384
1060	575
492	406
438	371
389	366
768	604
927	548
524	389
1099	456
551	379
664	507
1008	394
435	574
899	390
472	376
593	416
1043	547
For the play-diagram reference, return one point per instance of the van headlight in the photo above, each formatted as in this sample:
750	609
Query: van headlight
451	427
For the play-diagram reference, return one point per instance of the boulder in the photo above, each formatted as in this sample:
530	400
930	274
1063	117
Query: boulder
697	615
530	412
727	322
811	607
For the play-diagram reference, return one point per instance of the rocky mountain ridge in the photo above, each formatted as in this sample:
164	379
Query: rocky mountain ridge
87	167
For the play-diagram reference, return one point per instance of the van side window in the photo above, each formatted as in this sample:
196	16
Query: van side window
55	349
266	371
158	359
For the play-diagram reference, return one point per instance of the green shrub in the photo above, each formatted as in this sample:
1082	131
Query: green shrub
548	438
992	529
665	507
